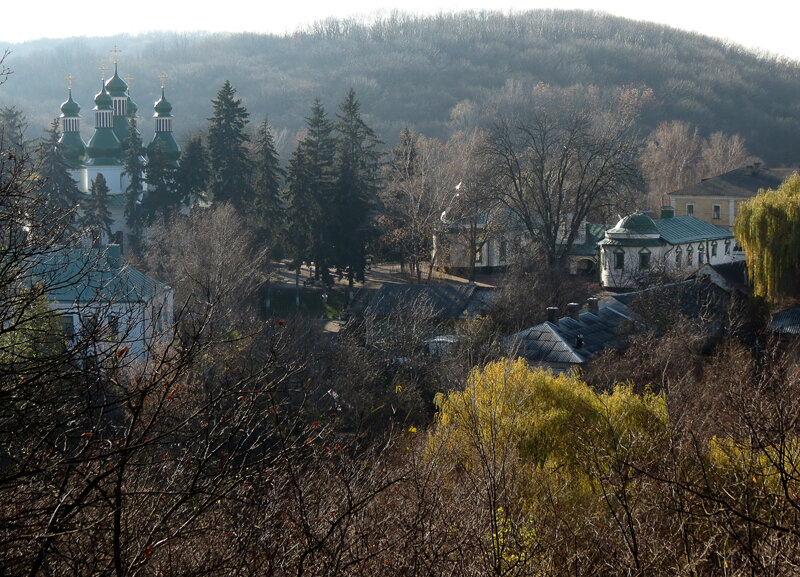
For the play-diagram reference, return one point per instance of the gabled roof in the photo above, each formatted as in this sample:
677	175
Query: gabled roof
429	301
572	341
87	276
743	182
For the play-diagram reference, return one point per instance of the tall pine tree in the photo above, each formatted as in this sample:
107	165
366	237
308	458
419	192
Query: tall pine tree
227	148
96	218
192	174
356	189
59	189
311	188
268	211
162	197
135	171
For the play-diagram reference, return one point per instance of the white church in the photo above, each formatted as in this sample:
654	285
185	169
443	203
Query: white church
106	150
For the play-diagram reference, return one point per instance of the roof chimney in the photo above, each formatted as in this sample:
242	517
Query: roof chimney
552	314
573	310
667	211
593	305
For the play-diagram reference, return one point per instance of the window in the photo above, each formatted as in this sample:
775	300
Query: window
689	209
678	255
701	254
713	249
619	259
727	247
644	259
503	251
689	256
715	212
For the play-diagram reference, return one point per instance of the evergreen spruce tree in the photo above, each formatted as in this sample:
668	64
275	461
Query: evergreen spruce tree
192	174
135	171
13	125
59	189
162	197
227	148
268	211
356	189
96	218
311	183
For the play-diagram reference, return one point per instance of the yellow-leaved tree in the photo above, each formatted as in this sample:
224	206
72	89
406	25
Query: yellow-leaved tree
548	456
768	228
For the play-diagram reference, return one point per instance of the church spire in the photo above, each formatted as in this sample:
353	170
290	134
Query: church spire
104	147
72	146
163	142
118	91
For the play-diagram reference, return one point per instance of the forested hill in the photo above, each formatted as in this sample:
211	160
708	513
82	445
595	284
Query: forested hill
418	70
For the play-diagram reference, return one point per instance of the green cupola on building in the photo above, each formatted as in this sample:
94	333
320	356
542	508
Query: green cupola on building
104	148
118	90
72	146
163	142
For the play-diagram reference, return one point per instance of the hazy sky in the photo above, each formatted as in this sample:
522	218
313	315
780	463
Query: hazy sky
767	25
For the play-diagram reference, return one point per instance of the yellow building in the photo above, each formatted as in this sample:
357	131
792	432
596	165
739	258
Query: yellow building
716	200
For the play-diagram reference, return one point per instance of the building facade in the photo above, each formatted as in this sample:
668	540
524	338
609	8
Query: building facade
640	248
716	200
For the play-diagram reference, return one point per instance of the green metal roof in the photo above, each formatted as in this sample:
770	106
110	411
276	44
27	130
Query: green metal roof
163	143
594	234
632	242
116	86
684	229
103	100
162	106
73	148
104	148
92	276
637	223
70	108
672	230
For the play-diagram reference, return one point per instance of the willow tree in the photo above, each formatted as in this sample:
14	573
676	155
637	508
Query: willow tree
768	229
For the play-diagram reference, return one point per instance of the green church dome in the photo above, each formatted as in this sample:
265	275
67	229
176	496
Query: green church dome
70	107
116	86
162	106
103	100
635	224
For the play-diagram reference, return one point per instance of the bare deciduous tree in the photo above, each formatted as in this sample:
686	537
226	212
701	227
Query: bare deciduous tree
567	162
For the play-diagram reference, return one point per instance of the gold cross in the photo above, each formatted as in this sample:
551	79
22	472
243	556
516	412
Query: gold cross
116	52
103	71
163	77
69	81
128	79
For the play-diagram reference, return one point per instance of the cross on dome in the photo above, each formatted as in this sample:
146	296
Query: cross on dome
116	52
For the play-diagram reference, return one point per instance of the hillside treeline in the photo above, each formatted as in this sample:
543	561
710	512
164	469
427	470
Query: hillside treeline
432	73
